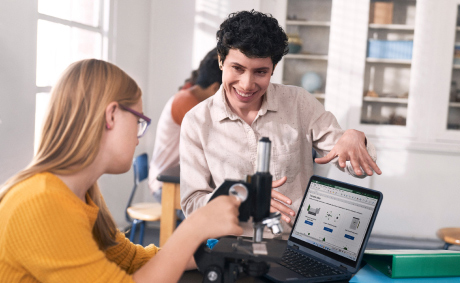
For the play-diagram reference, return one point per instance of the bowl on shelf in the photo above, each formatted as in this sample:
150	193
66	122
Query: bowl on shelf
311	81
294	48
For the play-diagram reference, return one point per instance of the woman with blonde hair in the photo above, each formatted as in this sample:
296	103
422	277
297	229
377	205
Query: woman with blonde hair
54	223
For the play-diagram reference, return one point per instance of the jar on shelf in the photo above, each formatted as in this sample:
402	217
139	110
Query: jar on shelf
294	43
457	54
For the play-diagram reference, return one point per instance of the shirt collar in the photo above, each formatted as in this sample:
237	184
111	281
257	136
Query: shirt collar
221	110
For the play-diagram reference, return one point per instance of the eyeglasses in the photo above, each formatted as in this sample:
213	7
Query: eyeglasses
142	123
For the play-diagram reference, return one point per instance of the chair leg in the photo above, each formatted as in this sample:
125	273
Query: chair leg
132	234
141	233
446	246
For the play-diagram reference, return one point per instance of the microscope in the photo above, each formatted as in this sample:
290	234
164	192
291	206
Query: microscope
235	257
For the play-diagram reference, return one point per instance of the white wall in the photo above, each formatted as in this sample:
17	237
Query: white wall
18	33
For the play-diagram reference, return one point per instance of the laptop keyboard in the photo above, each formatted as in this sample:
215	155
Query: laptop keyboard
305	265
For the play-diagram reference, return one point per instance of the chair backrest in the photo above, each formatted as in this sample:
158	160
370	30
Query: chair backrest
141	168
141	172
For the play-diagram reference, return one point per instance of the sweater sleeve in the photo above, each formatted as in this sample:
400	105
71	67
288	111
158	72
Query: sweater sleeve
51	238
128	256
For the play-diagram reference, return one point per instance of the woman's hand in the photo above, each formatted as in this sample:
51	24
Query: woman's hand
279	201
218	218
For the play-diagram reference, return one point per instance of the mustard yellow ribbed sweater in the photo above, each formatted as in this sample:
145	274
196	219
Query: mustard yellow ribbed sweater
45	236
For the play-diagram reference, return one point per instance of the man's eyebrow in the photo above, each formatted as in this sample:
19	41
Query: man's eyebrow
239	65
257	69
262	68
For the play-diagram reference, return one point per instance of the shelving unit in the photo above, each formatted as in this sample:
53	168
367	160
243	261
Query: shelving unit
306	56
412	109
310	20
308	23
386	100
386	76
391	27
389	61
453	118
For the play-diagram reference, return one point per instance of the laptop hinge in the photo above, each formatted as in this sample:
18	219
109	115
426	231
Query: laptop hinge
343	267
295	247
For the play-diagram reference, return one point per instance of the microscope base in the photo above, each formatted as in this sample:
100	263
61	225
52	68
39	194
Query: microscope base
232	257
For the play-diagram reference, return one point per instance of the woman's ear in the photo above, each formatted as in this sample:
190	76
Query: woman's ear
110	114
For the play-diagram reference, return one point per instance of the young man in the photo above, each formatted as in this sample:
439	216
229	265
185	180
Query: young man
166	150
219	137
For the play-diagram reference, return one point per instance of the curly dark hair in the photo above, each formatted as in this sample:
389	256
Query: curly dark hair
255	34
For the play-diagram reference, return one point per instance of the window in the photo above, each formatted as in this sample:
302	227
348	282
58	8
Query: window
67	31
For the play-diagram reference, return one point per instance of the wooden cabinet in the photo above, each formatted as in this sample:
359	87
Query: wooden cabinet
453	117
388	62
308	23
413	109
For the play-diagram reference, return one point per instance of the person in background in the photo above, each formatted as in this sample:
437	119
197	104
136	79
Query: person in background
188	83
54	223
219	136
166	149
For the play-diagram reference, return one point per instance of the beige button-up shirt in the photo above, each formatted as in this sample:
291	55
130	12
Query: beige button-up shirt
216	144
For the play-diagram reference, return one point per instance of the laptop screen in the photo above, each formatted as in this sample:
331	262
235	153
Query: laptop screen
334	218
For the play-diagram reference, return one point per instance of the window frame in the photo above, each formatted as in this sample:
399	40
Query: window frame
104	28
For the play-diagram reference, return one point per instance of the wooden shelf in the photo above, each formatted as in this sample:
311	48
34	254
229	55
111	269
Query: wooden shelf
319	95
454	104
456	66
386	100
388	61
391	27
308	23
306	56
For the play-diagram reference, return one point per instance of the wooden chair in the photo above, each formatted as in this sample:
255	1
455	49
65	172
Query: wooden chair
139	213
450	236
170	202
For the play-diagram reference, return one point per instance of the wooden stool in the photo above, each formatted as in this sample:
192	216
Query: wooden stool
170	202
450	236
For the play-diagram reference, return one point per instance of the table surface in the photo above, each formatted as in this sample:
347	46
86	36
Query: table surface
194	276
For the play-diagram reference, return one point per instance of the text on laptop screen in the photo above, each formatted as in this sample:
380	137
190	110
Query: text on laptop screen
334	218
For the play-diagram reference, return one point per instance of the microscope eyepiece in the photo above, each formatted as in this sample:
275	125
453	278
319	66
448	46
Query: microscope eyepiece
263	155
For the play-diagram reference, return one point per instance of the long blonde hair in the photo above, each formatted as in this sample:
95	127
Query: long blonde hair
73	128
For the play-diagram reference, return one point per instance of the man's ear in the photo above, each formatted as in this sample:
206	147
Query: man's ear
220	62
110	114
274	66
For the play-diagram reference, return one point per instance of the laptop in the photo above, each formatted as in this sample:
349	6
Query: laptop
330	233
